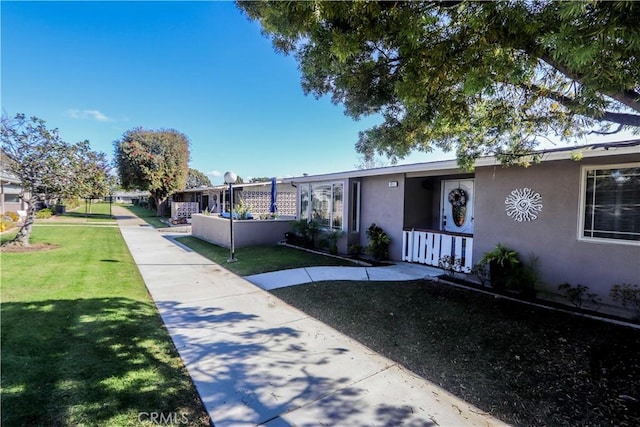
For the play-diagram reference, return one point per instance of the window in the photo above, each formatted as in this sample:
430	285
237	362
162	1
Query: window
611	203
304	201
355	206
323	203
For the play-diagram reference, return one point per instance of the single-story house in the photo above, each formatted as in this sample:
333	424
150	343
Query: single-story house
134	197
11	193
577	210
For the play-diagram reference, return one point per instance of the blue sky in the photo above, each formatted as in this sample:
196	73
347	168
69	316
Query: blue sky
96	69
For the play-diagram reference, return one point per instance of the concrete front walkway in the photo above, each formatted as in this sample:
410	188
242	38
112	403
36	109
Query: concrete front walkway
258	361
299	276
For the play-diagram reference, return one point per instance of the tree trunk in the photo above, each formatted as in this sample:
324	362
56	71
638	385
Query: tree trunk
22	238
159	202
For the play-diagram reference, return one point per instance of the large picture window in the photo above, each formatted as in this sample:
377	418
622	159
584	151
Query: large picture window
322	203
611	203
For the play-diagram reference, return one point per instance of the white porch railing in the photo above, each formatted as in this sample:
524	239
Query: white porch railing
428	247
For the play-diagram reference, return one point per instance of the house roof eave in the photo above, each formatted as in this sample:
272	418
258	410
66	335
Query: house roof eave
450	167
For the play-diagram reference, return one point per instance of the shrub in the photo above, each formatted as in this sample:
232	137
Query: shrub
44	213
481	271
330	240
243	211
13	216
525	277
355	250
378	242
450	265
579	294
629	296
6	224
305	232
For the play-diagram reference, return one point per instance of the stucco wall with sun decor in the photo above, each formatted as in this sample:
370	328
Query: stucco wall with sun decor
537	211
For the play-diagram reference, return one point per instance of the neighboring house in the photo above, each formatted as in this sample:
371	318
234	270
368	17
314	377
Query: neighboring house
257	196
129	196
10	194
581	218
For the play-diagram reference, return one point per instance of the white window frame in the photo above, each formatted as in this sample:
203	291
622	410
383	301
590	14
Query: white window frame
309	186
583	204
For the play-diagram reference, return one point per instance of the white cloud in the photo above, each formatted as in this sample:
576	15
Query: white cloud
214	173
89	114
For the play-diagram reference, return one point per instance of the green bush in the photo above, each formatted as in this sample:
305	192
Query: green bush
6	224
579	294
330	240
44	213
305	232
13	216
355	250
629	296
378	242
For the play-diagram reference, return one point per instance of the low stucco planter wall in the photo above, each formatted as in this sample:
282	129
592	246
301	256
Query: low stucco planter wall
214	229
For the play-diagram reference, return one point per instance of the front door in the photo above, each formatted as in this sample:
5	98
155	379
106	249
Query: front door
457	206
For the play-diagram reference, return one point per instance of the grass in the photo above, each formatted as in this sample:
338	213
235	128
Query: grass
147	215
524	365
95	212
260	259
82	342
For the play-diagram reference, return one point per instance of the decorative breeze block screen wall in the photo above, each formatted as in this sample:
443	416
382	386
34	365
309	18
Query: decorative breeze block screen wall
259	201
184	209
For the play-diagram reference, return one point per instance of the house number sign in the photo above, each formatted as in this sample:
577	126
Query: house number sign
523	204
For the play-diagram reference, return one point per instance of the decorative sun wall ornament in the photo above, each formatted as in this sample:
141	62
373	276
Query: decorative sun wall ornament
523	204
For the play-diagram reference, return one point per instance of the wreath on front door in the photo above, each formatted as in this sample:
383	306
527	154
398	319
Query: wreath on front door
458	200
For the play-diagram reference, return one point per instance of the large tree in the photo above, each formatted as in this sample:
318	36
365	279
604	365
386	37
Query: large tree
156	161
197	179
46	166
478	77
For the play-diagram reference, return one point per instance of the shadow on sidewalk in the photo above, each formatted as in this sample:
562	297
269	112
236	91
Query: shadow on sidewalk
246	373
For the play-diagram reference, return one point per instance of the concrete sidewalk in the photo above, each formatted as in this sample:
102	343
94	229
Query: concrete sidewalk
258	361
298	276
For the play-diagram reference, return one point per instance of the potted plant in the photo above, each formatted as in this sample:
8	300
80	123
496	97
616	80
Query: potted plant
503	263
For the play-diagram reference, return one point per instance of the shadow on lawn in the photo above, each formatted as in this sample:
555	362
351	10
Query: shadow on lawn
88	215
249	374
525	365
92	362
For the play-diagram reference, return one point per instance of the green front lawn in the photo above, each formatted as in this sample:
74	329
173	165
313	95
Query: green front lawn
524	365
82	342
261	259
148	215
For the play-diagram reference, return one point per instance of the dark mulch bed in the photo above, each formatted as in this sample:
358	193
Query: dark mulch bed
34	247
525	365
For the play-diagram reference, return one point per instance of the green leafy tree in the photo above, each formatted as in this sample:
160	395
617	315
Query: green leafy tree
478	77
259	179
197	179
47	166
156	161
